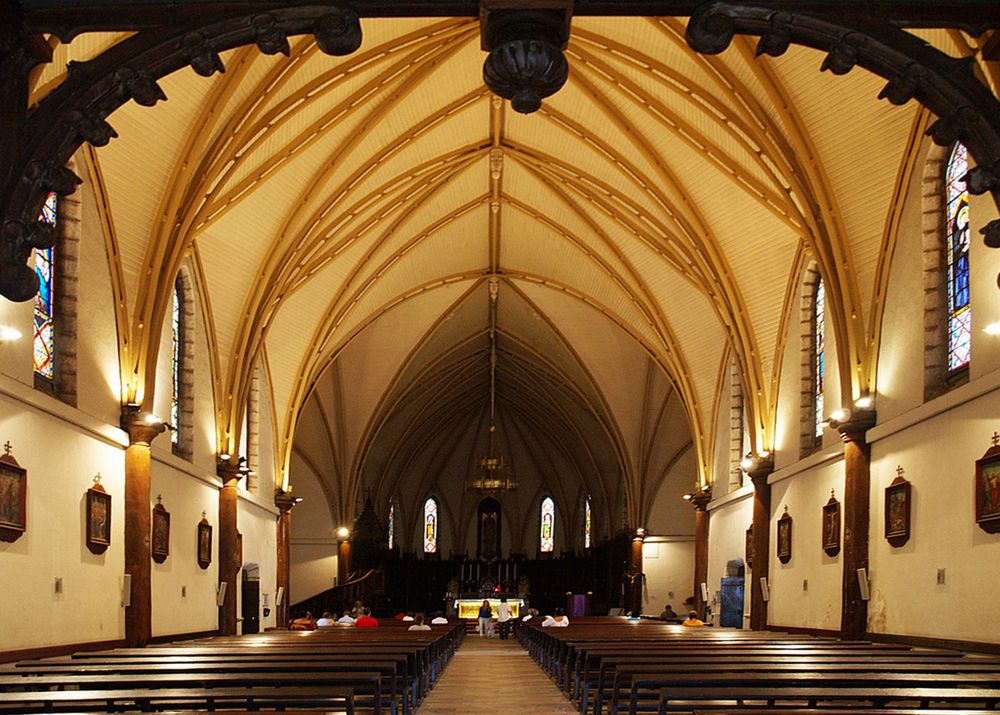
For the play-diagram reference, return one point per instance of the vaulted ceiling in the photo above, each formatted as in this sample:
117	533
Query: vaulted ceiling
344	216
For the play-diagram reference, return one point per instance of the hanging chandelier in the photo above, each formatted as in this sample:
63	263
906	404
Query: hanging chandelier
494	475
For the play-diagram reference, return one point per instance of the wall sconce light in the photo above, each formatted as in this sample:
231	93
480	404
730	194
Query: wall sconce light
992	329
343	533
864	402
9	334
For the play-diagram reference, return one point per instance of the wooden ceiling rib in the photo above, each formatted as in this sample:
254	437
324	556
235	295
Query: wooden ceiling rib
346	215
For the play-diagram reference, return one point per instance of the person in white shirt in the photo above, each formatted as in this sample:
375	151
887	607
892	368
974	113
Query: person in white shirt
439	620
559	620
503	618
326	621
346	620
408	616
418	624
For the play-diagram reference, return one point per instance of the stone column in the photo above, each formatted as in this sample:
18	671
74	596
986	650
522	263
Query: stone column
229	548
857	499
142	428
284	501
759	470
633	574
699	500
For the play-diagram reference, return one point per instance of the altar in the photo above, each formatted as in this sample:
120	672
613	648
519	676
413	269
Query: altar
468	608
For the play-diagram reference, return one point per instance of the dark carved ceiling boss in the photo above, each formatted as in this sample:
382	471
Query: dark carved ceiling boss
525	64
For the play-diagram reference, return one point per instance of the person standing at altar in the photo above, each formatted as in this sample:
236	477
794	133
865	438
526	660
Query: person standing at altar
485	616
503	618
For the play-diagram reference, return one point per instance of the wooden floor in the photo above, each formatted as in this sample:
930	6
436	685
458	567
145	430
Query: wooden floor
493	677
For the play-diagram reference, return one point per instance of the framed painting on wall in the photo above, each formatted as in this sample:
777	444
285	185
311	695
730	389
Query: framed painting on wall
785	538
13	497
160	548
897	510
831	526
98	519
204	542
988	489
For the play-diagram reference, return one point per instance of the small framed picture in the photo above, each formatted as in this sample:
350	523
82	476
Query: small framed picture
897	512
785	538
98	519
831	526
204	543
160	548
13	497
988	491
748	547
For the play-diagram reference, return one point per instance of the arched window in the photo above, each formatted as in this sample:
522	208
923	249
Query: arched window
547	531
737	425
392	525
819	358
176	359
587	524
182	366
251	431
957	240
44	323
430	526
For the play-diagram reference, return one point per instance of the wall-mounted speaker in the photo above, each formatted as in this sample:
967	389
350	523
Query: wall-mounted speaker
220	595
863	583
704	592
279	598
127	590
765	592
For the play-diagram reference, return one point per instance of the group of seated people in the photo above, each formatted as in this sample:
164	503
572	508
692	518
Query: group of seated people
360	618
668	614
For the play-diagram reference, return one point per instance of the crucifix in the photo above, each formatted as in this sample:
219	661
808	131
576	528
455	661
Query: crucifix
996	441
899	471
7	447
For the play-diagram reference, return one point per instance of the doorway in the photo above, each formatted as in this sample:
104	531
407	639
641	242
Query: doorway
250	593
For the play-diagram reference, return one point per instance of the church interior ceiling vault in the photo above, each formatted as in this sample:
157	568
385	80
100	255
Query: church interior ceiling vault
648	224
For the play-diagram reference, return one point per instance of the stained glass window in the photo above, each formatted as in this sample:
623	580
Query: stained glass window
548	541
175	362
586	523
44	329
959	311
392	525
430	526
819	354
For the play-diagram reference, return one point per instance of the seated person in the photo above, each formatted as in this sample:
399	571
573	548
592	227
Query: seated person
693	620
668	614
408	617
346	619
439	619
418	624
366	620
559	620
303	623
532	613
326	621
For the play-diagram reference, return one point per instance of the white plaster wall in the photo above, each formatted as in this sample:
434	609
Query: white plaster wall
183	592
89	608
258	524
313	547
938	455
671	513
806	591
727	528
313	569
668	566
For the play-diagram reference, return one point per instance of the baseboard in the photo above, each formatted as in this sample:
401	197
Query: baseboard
155	640
53	651
946	643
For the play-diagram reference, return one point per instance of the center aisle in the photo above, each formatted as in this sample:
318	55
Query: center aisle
493	677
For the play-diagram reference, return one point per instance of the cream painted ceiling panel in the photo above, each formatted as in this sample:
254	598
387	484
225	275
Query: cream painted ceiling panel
136	176
83	47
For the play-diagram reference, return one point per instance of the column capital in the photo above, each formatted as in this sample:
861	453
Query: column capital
284	500
141	425
700	497
758	467
853	425
229	472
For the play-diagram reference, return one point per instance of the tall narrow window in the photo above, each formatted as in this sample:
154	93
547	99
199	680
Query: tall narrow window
587	523
44	325
819	356
548	522
430	526
957	212
392	525
176	359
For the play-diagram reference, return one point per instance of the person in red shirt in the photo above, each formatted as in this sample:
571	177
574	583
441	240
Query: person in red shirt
366	620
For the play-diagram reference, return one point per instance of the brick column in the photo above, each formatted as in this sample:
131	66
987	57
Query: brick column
857	499
142	428
699	500
284	501
229	550
759	469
